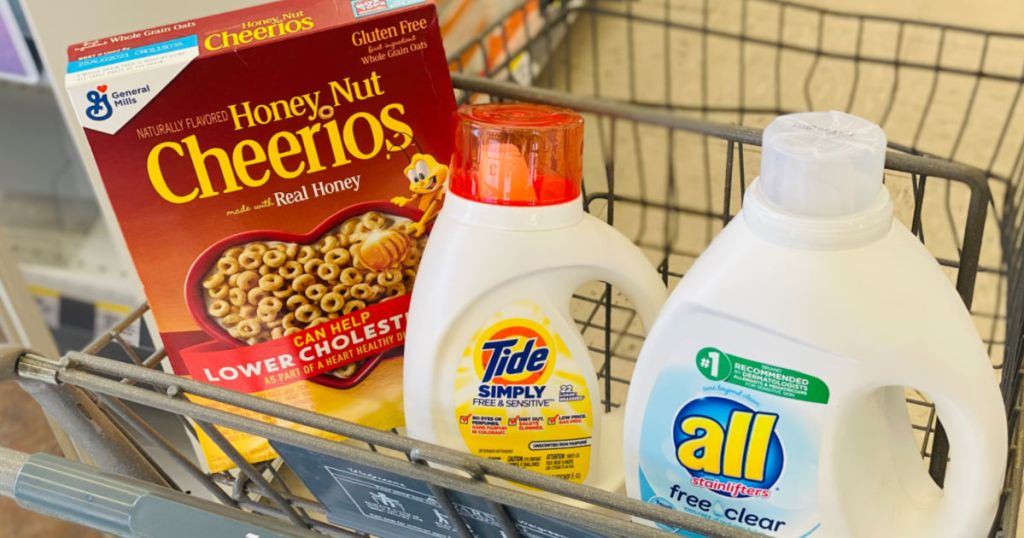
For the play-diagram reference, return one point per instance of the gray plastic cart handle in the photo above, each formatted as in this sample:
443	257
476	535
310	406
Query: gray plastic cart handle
122	506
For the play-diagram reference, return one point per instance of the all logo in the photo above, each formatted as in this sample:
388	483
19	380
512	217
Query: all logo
99	108
728	448
514	352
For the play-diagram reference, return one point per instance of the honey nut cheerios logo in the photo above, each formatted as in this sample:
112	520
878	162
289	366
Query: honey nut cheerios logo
514	352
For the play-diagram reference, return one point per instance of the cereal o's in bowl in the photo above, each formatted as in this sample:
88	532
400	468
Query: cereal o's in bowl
266	285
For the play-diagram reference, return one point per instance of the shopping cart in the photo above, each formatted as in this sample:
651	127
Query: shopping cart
673	92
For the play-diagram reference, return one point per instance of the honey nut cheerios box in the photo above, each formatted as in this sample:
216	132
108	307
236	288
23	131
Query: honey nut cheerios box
275	172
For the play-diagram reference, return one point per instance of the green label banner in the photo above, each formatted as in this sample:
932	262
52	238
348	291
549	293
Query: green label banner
719	366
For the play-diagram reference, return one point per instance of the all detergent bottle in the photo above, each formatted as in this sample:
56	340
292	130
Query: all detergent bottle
495	364
769	394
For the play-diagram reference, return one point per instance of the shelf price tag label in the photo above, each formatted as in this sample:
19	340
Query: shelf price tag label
109	314
49	304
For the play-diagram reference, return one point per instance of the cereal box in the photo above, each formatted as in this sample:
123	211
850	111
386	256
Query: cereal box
275	172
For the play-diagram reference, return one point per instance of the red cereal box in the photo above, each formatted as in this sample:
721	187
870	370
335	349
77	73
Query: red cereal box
275	172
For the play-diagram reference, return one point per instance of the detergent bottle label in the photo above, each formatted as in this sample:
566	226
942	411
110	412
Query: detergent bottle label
521	396
734	440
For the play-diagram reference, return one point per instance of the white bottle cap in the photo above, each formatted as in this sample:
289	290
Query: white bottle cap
822	164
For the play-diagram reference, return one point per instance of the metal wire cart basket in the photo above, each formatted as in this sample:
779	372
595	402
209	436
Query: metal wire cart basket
674	93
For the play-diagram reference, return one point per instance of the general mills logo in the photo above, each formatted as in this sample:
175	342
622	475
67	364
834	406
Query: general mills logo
99	108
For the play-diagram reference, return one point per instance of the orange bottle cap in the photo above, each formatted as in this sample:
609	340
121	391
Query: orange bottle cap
517	154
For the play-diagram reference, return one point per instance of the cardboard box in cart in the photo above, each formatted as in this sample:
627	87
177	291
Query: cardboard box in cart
275	172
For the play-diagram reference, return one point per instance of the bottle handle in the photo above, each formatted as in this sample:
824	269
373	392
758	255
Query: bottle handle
968	404
620	263
975	446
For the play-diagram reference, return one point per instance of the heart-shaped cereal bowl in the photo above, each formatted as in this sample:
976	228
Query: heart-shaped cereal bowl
196	293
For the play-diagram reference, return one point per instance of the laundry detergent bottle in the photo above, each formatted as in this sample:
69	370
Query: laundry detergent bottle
495	364
770	393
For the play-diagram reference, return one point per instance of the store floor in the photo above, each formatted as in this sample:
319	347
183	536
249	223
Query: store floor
23	427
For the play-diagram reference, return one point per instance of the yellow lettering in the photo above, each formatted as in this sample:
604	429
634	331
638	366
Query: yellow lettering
373	84
701	453
313	101
199	158
757	448
287	154
237	116
735	443
297	105
242	163
337	145
156	175
259	33
338	91
279	109
312	157
401	130
277	154
208	42
352	143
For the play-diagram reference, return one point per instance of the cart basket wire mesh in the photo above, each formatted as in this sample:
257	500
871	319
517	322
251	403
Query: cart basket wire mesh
674	93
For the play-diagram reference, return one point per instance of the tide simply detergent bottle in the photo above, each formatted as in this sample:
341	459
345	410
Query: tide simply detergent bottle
495	364
769	394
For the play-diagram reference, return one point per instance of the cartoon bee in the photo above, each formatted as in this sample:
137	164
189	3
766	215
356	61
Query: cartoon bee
427	179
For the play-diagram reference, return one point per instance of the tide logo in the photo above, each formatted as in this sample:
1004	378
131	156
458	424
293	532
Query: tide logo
515	352
728	447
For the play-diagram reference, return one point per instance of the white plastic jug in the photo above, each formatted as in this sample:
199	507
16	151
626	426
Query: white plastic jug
769	394
494	363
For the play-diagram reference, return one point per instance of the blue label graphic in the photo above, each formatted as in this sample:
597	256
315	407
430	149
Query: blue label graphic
736	456
731	449
100	108
503	361
133	54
